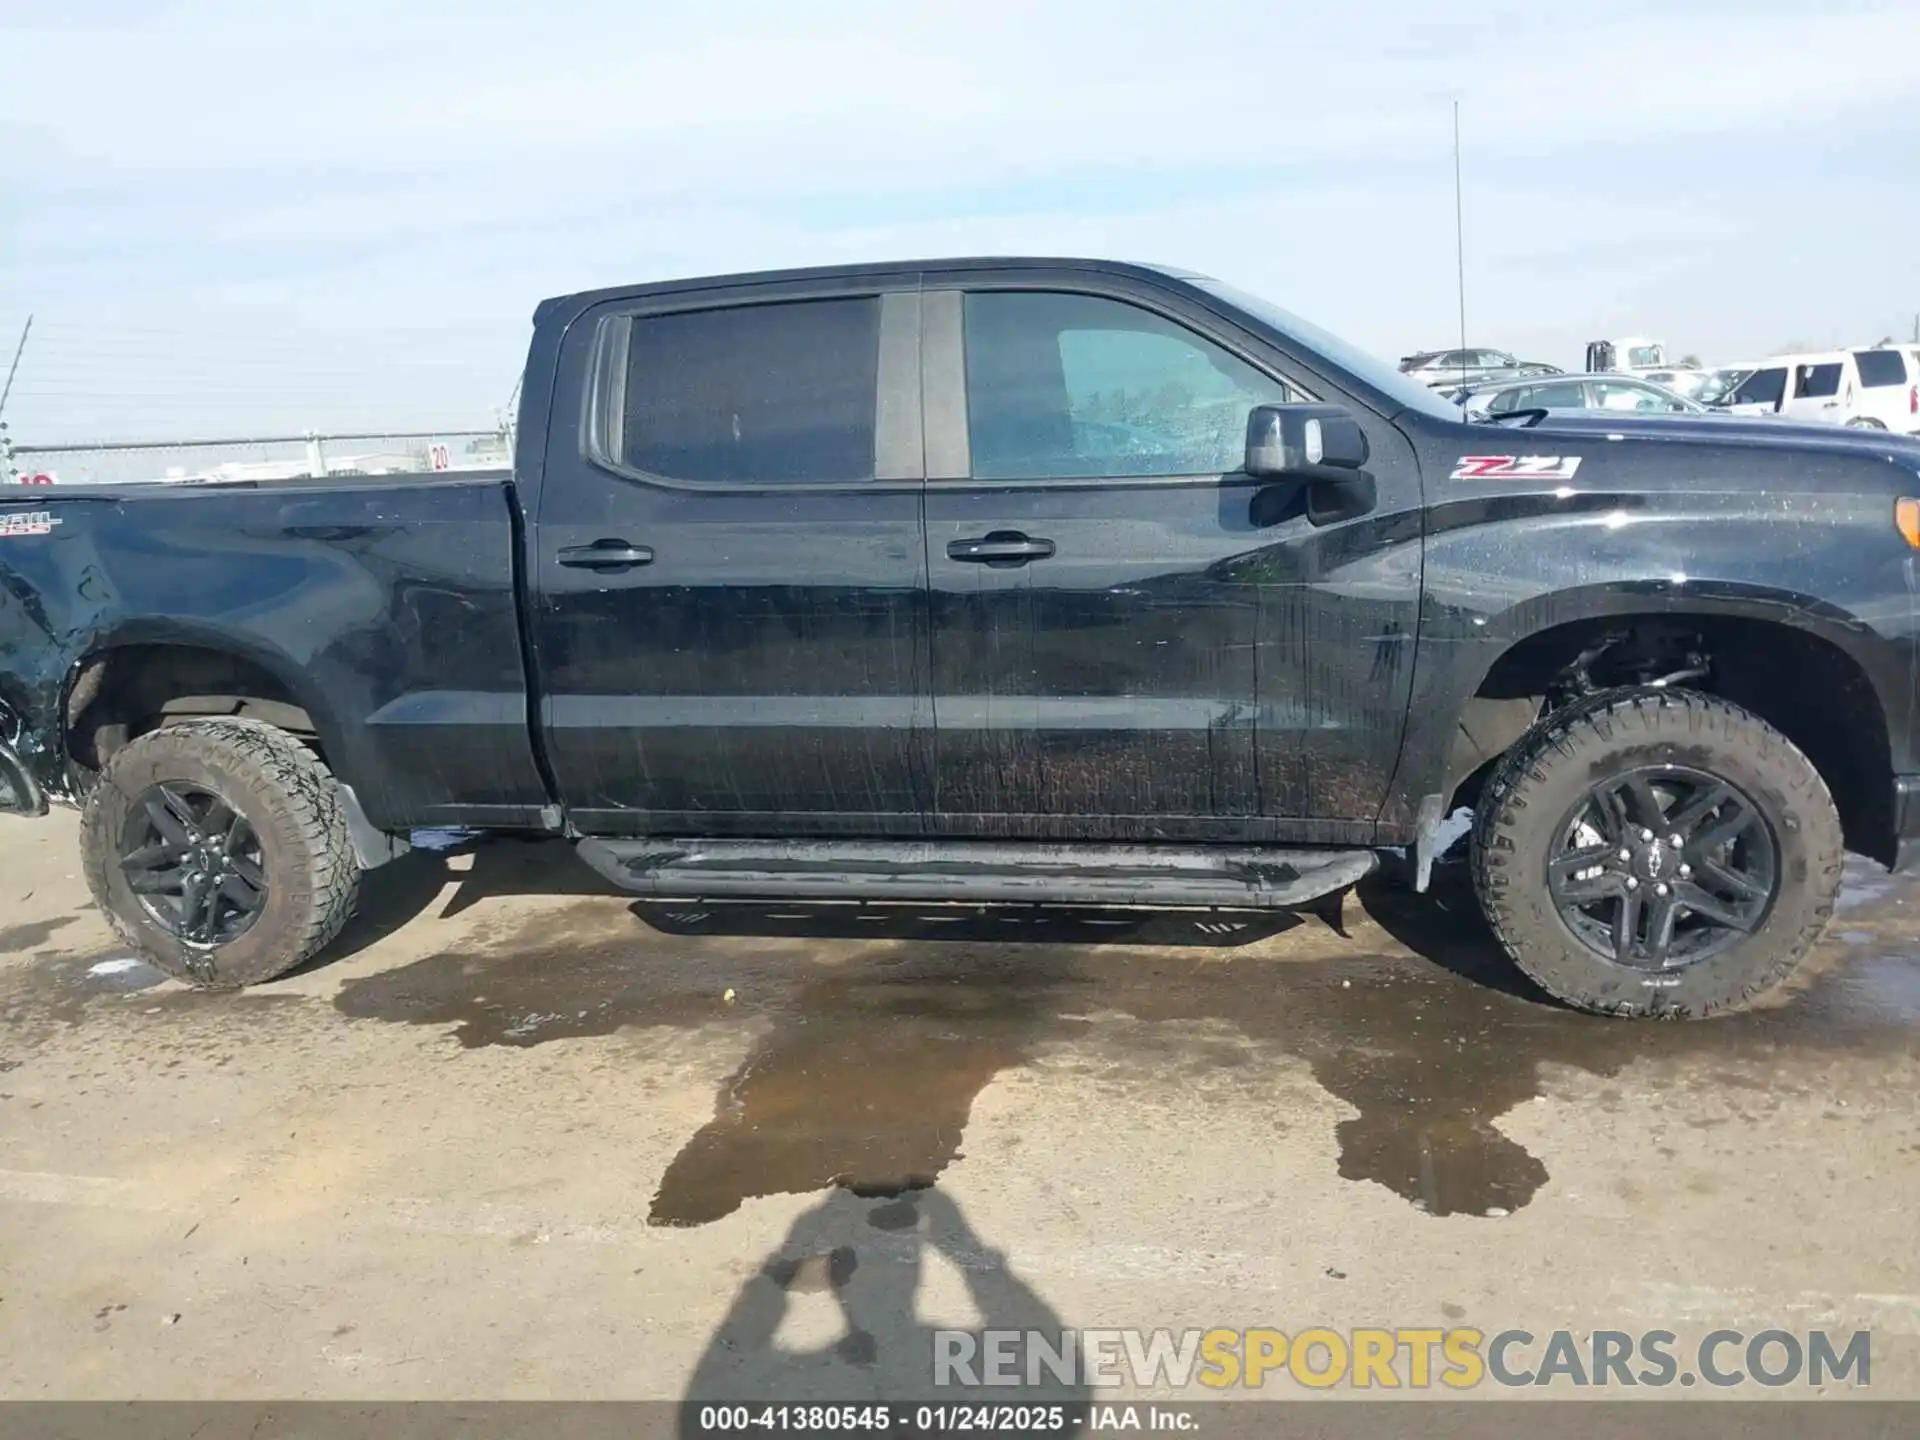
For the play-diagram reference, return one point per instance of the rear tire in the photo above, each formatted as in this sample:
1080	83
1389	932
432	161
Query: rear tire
1862	422
244	805
1558	822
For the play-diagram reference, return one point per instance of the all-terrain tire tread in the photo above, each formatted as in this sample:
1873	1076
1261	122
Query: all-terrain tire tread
1610	716
299	784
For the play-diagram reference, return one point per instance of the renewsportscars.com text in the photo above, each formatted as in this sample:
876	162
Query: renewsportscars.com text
1404	1358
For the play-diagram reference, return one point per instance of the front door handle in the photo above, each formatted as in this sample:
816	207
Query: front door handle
606	555
1002	547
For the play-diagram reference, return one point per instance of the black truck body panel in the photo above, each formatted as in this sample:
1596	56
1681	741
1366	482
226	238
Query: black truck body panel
389	614
1711	519
1196	658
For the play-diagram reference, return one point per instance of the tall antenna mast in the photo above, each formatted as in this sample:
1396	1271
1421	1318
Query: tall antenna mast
14	369
1460	239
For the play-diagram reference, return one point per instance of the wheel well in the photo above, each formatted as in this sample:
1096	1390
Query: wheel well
123	693
1805	687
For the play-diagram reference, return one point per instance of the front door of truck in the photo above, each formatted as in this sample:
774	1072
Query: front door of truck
730	611
1131	638
1093	669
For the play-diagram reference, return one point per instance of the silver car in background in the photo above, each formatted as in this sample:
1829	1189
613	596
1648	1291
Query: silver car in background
1438	368
1706	386
1610	391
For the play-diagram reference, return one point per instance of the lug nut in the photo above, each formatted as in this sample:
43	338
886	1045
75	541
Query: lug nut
1659	889
1632	884
1646	835
1685	870
1626	854
1675	841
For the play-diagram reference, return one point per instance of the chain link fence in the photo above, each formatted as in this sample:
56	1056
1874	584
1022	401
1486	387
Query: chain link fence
256	458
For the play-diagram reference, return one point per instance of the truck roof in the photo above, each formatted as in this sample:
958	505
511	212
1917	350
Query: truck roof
583	298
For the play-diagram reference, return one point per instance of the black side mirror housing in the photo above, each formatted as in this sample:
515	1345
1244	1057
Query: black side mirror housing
1308	442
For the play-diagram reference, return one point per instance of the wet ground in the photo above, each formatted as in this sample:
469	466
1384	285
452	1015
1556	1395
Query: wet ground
517	1135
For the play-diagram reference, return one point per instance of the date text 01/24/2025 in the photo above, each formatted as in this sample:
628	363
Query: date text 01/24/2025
945	1419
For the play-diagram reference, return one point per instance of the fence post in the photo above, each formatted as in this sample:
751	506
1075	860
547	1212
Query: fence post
316	456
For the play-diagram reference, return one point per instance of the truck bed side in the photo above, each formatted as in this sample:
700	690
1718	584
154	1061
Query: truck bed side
387	613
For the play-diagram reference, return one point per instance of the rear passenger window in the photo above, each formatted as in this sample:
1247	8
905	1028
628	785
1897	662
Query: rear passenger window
1880	367
1816	382
1065	386
781	394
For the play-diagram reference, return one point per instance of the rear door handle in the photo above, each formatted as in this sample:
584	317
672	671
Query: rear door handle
1002	547
606	555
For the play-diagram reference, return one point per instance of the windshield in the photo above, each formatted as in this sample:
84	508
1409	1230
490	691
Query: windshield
1355	361
1762	387
1720	383
1643	357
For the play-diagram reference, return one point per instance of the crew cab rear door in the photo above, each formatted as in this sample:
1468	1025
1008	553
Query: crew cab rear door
730	617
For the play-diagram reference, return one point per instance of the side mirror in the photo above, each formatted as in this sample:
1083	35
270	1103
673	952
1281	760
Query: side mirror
1311	442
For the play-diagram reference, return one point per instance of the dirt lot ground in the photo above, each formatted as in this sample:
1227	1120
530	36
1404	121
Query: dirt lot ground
518	1137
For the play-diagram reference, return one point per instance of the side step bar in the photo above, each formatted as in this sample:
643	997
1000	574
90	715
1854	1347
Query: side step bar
1249	877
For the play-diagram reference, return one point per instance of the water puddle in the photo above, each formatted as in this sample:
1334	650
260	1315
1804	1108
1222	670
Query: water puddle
870	1031
876	1029
31	936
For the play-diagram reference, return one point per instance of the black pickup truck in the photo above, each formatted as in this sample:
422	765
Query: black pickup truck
1000	581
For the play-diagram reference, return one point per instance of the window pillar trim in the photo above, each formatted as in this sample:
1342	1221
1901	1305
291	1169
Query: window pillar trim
943	382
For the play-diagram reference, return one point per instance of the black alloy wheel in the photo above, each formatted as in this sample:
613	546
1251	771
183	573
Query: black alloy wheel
1662	866
195	864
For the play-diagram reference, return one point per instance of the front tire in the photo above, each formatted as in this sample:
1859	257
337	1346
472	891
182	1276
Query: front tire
1577	867
219	851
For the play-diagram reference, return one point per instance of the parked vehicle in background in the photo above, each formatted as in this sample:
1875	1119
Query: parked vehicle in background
1762	390
1876	389
1704	386
1822	388
1578	392
1631	355
1681	382
1725	379
1044	581
1453	368
1889	393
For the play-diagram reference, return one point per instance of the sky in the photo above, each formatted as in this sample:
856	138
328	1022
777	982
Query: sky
234	217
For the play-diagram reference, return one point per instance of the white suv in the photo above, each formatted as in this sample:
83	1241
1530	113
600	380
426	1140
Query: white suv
1876	389
1889	388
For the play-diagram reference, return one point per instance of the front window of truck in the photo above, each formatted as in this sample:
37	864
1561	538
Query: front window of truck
1065	385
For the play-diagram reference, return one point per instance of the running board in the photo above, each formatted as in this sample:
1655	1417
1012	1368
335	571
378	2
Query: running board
1241	877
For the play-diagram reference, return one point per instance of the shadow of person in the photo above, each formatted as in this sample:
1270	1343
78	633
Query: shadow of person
867	1256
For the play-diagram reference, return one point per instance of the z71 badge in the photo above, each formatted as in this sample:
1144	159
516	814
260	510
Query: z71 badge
1515	467
27	522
